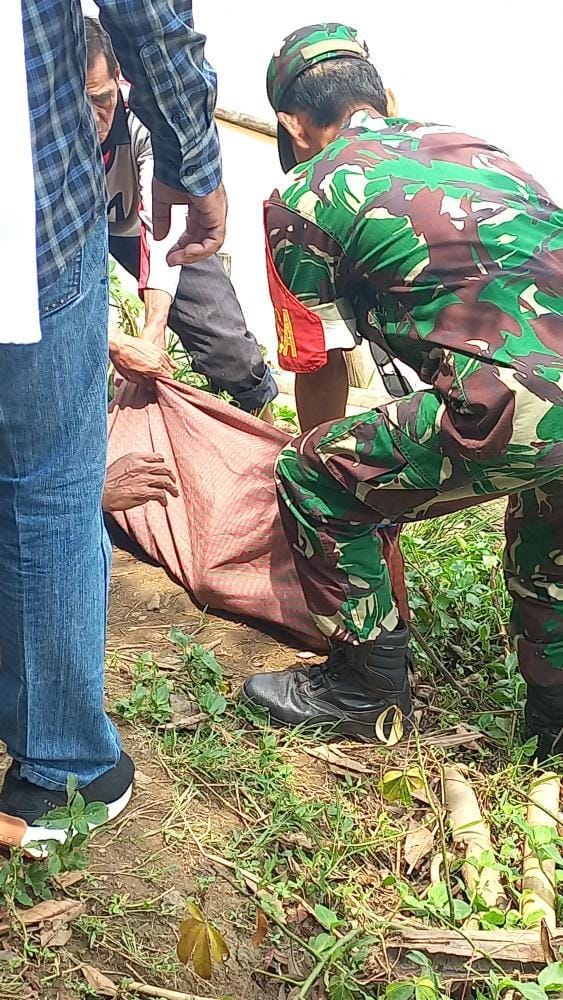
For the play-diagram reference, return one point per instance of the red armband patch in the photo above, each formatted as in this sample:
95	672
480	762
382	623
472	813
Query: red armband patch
301	339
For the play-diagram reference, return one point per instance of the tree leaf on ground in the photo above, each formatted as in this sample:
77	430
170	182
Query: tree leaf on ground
337	760
419	843
65	879
200	942
55	936
400	785
261	929
98	982
50	909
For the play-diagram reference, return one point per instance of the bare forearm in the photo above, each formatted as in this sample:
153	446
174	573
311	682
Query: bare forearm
322	396
157	307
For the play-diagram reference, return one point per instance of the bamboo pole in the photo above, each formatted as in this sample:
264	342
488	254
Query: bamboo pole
538	877
470	831
242	120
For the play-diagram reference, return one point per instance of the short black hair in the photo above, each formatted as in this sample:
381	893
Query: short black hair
327	91
98	43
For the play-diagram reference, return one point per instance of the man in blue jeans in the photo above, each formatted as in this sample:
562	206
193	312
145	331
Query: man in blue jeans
54	554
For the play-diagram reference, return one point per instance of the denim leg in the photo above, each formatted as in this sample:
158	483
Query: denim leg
54	552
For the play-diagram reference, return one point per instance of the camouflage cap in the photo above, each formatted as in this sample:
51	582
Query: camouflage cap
302	49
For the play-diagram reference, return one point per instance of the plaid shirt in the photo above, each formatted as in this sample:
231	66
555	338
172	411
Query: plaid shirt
173	94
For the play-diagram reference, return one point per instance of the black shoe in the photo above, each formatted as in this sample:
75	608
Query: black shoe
22	804
543	717
352	693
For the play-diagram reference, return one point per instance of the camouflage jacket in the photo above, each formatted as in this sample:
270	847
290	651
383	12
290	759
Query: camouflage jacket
456	250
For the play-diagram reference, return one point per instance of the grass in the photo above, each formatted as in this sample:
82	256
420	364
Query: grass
318	847
330	847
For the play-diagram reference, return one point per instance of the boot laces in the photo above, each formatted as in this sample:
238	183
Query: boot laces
338	659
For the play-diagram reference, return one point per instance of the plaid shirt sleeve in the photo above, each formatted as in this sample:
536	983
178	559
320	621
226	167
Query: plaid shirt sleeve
173	87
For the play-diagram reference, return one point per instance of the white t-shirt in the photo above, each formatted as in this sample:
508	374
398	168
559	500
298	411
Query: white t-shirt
18	282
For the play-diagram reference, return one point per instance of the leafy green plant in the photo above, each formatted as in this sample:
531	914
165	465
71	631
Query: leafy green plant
284	414
149	700
205	673
129	307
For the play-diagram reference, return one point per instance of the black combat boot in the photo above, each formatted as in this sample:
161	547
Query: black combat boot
544	718
348	694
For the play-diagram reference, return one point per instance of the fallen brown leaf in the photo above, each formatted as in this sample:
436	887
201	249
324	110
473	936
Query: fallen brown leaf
261	929
50	909
297	839
98	982
66	879
545	938
418	845
337	760
55	935
186	722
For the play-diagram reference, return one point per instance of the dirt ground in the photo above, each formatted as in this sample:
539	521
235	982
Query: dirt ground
138	879
223	808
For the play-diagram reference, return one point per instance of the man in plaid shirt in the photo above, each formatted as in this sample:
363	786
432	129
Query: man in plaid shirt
54	555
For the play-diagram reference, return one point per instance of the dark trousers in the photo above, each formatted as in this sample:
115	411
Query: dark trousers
208	319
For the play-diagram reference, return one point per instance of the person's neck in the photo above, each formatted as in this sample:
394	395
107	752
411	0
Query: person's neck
368	109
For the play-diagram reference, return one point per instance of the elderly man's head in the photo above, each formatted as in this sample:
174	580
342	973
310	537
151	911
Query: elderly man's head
102	76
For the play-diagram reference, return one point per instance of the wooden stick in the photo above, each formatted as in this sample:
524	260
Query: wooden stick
249	122
470	832
161	994
538	877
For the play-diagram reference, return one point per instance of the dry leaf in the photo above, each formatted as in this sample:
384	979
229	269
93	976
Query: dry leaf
545	939
55	936
394	716
297	839
50	909
99	983
66	879
418	844
261	929
336	760
200	942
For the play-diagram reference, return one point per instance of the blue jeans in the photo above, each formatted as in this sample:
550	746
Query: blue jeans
54	553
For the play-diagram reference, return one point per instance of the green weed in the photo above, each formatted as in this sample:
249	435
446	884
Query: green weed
149	701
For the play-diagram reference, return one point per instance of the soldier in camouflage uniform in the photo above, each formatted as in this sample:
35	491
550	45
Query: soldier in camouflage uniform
457	253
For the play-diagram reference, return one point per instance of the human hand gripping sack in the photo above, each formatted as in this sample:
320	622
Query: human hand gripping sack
138	360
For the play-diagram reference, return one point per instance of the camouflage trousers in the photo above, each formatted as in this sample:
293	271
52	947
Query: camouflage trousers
344	485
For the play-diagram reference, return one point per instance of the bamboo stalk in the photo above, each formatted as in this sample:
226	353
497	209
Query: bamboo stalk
538	877
159	993
242	120
470	832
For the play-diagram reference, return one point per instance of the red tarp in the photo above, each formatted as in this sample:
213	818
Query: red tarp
222	537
